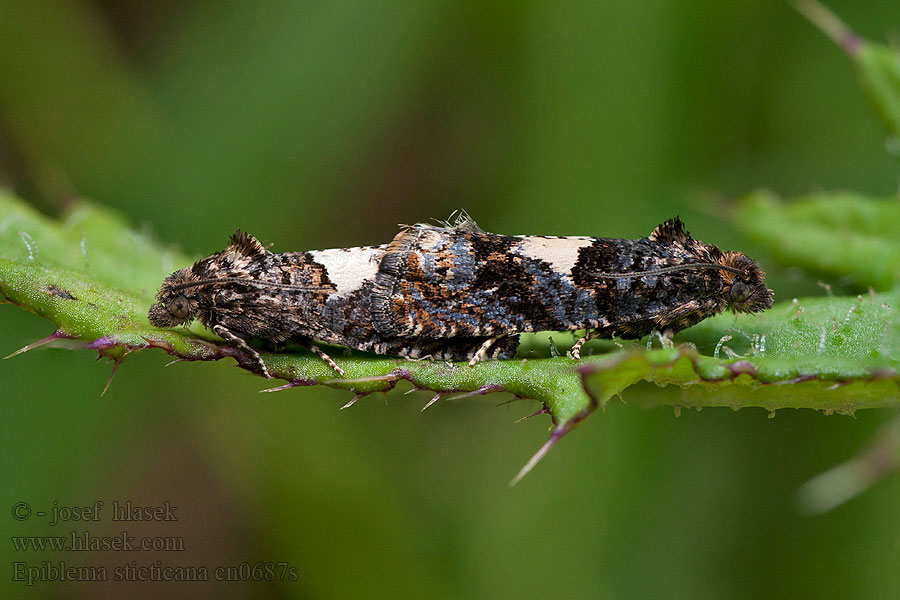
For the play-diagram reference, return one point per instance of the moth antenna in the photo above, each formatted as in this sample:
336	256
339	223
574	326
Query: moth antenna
717	266
254	283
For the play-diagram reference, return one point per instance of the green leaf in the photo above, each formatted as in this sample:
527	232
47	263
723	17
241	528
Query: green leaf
847	236
94	278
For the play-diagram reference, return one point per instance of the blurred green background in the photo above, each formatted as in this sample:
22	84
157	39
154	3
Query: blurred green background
324	124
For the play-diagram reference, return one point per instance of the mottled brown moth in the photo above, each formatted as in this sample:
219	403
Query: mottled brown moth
456	292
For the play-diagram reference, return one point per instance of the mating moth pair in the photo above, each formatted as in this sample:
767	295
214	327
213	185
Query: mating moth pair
456	292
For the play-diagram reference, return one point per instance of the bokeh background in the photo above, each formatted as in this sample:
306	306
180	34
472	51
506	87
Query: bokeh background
323	124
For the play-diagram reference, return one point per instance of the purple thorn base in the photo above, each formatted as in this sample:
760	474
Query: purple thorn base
741	367
103	343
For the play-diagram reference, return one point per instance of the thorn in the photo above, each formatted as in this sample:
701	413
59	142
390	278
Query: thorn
53	336
170	363
555	436
544	411
279	388
111	375
352	402
432	401
485	389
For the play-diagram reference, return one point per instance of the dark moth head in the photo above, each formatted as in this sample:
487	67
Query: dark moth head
173	304
743	284
178	299
740	285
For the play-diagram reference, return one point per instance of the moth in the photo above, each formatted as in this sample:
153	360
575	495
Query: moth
455	292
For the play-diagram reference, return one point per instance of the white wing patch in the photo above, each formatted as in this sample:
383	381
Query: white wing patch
349	268
561	253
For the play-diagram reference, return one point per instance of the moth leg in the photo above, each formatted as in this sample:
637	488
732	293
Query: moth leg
321	354
419	358
482	352
575	352
241	344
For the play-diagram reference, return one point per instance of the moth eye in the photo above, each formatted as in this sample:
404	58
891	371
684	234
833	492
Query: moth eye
740	291
179	307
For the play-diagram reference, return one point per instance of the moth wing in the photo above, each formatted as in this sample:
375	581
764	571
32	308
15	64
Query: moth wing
440	282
